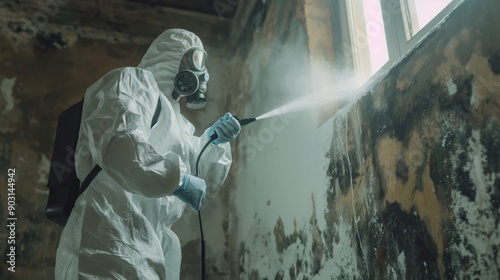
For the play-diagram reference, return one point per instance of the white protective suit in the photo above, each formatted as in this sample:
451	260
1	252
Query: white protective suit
120	226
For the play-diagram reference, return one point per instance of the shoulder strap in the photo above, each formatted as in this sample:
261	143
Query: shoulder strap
89	178
156	115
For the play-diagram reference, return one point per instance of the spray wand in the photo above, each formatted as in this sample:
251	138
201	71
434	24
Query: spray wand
245	121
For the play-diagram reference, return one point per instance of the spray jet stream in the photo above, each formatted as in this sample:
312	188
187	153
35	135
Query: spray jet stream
307	102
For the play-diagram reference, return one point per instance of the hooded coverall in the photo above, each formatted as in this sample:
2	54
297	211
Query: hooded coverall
120	226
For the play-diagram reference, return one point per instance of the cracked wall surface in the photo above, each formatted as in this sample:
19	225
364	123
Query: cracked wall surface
401	183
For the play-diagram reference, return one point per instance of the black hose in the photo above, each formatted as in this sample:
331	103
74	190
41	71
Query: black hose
212	138
203	248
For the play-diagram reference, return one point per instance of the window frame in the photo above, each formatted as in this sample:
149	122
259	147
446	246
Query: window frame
395	31
406	45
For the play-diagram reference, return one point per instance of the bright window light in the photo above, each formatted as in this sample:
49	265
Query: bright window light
376	30
418	13
377	41
367	37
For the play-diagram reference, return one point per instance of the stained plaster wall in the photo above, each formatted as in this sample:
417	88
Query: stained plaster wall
38	80
401	183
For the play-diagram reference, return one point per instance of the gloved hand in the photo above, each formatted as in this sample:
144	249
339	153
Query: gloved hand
227	128
192	191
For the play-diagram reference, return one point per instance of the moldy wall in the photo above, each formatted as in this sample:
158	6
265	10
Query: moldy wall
401	183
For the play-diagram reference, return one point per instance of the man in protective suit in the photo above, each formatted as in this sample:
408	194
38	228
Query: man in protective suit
132	127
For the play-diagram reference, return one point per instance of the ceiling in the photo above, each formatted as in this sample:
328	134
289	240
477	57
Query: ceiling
117	21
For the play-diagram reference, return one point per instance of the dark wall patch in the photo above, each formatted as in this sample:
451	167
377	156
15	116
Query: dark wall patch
415	241
284	241
402	171
255	22
420	162
280	275
494	62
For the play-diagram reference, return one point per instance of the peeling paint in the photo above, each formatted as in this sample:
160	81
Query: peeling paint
7	88
452	87
43	166
477	220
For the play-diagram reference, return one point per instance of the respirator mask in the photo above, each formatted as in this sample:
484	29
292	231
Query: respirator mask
191	81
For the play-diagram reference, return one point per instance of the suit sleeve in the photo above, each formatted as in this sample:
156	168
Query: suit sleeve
118	129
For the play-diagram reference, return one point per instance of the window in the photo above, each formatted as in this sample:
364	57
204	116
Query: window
418	13
380	32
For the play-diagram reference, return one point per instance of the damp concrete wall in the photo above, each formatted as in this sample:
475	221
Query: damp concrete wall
403	182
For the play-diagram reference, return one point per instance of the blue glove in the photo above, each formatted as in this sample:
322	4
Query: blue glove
227	128
192	191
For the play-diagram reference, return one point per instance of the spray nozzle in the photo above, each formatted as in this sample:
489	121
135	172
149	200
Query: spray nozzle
245	121
242	123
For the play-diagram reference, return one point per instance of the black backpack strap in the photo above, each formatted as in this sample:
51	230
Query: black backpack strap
156	115
89	178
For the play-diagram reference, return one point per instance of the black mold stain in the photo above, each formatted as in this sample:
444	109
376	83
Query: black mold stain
381	259
242	252
421	163
283	241
463	180
445	169
463	52
330	238
344	165
490	137
5	155
339	170
280	275
495	197
285	27
402	171
459	102
317	242
255	21
449	237
411	237
439	165
494	62
50	41
291	272
42	129
382	120
362	259
407	112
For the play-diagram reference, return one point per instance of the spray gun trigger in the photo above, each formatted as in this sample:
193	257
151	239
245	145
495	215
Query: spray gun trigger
214	136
